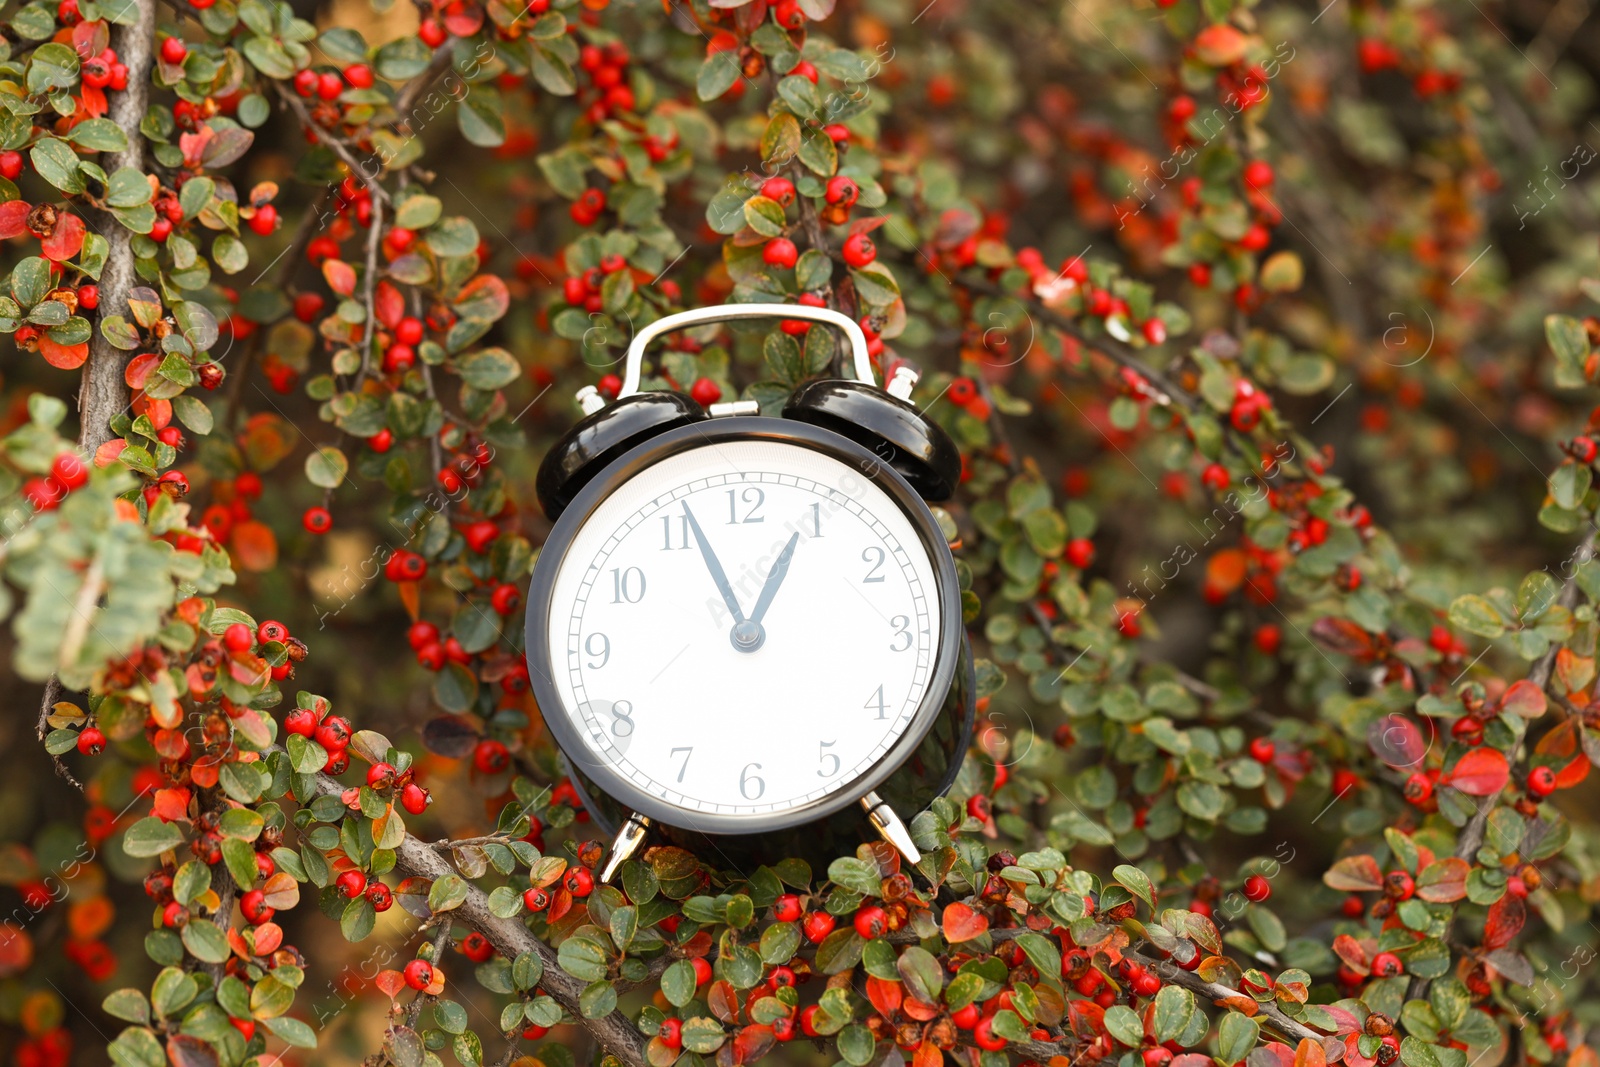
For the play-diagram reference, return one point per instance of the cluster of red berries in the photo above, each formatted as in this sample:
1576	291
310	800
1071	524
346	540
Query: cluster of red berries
608	93
965	394
52	1048
68	472
583	290
329	84
585	210
355	883
332	732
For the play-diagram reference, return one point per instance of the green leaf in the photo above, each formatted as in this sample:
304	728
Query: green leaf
99	135
130	1005
1136	882
703	1035
205	942
1476	615
447	893
53	65
1174	1008
678	982
584	959
717	74
327	467
150	837
127	188
357	919
1236	1037
292	1031
765	216
488	368
1123	1023
1570	483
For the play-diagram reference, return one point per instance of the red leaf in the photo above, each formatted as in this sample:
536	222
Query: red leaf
391	306
269	936
1524	698
340	275
1506	918
390	983
961	923
140	368
1481	773
14	218
65	240
1353	953
1397	740
67	357
1443	882
1342	636
186	1051
171	805
752	1043
885	994
1309	1054
1355	874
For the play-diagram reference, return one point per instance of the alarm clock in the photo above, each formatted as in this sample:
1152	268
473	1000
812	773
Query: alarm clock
744	633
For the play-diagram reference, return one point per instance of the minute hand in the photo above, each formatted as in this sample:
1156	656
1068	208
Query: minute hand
775	577
714	566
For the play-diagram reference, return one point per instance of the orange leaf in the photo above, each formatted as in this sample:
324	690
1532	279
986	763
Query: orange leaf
171	804
340	275
961	923
927	1055
1220	45
254	546
88	919
1309	1053
1524	698
66	240
1226	569
107	453
269	936
390	983
1482	772
67	357
1443	882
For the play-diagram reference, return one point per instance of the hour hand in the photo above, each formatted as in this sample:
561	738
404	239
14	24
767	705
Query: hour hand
775	577
714	566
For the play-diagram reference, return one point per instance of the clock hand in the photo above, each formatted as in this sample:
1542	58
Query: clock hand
780	568
715	567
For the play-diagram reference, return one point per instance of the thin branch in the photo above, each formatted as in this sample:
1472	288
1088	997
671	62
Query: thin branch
370	328
340	147
417	859
1219	993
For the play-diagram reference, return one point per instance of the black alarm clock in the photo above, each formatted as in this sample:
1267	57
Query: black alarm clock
744	633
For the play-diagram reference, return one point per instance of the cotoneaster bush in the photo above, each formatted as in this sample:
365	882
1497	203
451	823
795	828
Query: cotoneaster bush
1265	332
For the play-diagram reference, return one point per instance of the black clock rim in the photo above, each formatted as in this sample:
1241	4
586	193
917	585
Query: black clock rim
541	588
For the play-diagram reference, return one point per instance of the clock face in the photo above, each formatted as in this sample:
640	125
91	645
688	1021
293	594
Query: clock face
741	629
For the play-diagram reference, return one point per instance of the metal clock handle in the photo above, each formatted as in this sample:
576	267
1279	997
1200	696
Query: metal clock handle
733	312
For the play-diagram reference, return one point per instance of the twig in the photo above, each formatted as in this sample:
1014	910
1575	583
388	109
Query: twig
337	144
370	329
414	88
1218	992
417	859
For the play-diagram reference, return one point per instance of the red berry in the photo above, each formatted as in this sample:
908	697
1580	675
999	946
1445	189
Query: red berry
984	1037
380	896
1158	1056
173	50
10	165
490	756
1080	552
419	974
88	297
305	82
253	906
671	1033
317	520
1398	885
1541	781
780	252
1257	888
359	75
238	638
787	909
871	922
817	925
779	189
422	633
1419	788
415	799
408	331
161	229
505	599
1387	965
842	190
380	775
535	899
1154	330
91	741
265	220
1262	749
329	85
352	884
302	721
965	1018
1258	174
334	733
579	881
69	470
1144	982
705	392
702	971
858	250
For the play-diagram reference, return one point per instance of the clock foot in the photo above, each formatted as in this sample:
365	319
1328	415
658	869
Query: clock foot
627	842
888	824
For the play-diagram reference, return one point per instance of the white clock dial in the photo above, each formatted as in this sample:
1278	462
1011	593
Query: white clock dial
768	688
